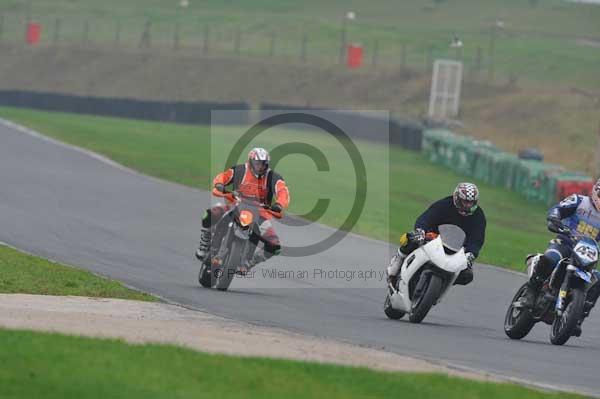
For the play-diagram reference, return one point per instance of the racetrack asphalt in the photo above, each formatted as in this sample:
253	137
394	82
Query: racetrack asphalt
71	206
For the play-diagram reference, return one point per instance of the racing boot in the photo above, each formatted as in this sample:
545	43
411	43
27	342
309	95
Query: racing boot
592	295
204	245
587	308
577	329
393	269
590	301
541	270
533	289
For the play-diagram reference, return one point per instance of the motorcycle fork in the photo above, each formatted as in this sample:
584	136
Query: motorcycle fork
252	243
218	231
558	274
562	293
248	251
224	245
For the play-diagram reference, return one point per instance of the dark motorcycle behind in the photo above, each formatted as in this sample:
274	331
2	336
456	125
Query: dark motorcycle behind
560	302
231	247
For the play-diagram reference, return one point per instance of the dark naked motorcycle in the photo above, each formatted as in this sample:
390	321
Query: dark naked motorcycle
560	302
231	247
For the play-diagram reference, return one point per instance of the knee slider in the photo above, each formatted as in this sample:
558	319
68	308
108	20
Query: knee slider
206	218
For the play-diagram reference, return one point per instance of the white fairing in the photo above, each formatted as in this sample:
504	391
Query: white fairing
432	252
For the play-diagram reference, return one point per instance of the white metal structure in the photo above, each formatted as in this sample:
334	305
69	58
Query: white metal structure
432	256
444	100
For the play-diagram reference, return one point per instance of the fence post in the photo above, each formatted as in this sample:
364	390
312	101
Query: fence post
237	41
272	45
28	12
176	37
375	53
118	32
303	47
403	56
56	36
205	45
513	79
491	57
86	32
429	58
342	41
145	40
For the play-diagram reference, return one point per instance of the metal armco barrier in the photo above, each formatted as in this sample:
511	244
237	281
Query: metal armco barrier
163	111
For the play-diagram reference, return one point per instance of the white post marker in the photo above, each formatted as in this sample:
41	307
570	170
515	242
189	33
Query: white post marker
444	100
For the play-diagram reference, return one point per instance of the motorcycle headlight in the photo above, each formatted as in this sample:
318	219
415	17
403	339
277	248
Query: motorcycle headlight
246	218
583	264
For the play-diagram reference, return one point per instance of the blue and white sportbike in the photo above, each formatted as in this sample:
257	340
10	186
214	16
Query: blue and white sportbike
561	300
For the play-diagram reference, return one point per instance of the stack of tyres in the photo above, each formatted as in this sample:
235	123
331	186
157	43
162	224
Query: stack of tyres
484	162
454	152
534	180
462	160
458	153
504	171
569	183
433	140
532	176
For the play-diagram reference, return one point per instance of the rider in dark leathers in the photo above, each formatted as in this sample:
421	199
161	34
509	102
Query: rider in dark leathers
460	209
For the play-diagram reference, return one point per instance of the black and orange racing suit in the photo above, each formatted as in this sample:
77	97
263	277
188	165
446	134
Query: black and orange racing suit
267	189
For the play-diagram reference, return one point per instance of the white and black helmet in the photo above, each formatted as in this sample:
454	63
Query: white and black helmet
258	160
466	198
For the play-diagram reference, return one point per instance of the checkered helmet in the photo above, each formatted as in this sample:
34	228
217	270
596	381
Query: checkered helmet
595	195
258	160
466	198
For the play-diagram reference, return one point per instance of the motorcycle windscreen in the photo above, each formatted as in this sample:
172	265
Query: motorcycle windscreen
452	236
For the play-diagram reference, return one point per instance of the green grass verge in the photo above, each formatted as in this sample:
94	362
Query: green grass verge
397	192
26	274
59	366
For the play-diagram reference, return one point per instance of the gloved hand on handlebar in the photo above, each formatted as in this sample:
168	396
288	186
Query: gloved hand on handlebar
220	187
555	223
276	207
470	260
220	191
416	236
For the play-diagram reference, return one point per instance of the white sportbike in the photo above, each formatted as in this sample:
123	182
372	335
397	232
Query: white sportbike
424	278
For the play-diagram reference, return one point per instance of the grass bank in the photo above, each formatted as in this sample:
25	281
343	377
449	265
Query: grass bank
26	274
